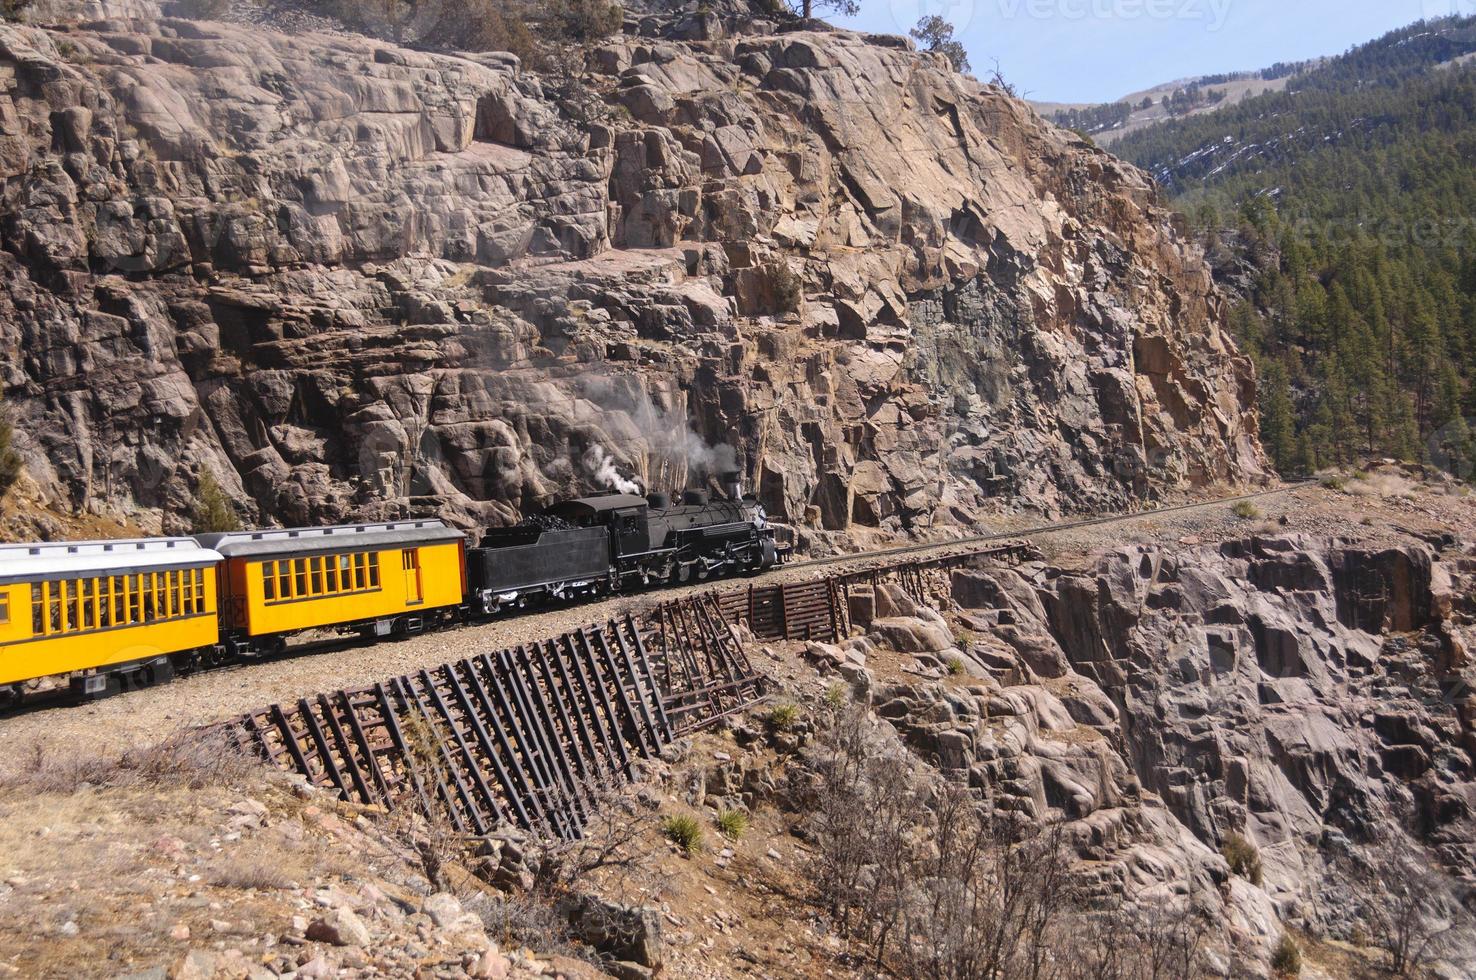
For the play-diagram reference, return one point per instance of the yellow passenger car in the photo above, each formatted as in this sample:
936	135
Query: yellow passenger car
104	607
374	578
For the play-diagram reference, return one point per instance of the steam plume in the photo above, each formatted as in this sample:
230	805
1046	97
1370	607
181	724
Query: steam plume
670	451
602	470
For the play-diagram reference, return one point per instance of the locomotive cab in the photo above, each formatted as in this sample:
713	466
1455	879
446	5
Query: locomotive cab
595	511
625	515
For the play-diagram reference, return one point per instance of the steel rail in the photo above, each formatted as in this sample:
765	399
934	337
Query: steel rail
639	602
1041	530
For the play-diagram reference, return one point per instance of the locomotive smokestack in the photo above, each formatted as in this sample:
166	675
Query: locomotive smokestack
733	485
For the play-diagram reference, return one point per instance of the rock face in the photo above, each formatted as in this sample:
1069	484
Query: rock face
358	280
1311	696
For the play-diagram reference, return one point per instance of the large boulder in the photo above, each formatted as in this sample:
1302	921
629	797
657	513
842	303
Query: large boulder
910	634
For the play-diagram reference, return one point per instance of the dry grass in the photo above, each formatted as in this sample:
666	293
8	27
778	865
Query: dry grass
783	717
251	874
1243	857
104	855
1246	511
192	760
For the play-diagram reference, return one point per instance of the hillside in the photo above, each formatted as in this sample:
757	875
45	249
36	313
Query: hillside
1107	123
1339	212
353	280
1171	739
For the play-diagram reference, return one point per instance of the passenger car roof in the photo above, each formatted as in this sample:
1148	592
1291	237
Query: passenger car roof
80	559
321	540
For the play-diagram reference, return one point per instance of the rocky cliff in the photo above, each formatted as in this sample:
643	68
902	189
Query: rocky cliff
1279	727
353	279
1303	698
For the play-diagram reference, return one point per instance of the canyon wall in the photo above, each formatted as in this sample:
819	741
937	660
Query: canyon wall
353	280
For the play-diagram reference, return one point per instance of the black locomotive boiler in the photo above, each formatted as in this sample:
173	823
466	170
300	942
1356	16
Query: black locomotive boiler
614	542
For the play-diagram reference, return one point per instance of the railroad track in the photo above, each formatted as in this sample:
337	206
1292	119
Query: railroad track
637	603
1039	531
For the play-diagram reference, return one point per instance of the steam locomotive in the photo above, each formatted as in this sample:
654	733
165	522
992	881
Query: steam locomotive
108	615
610	543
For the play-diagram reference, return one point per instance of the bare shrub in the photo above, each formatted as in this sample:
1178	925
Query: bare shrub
993	897
922	871
932	879
1169	940
520	920
485	25
1408	909
534	31
431	836
1161	941
1101	946
586	21
616	856
868	816
617	847
250	874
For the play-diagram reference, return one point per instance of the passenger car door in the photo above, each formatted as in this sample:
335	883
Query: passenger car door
410	561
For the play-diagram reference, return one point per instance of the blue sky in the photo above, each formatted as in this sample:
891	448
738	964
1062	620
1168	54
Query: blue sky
1101	50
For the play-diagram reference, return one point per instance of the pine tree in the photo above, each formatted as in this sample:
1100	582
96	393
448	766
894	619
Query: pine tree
1452	449
807	8
1306	458
936	34
214	512
1347	194
1278	421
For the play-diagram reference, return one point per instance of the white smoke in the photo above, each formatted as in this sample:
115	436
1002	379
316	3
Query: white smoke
602	470
670	452
675	439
